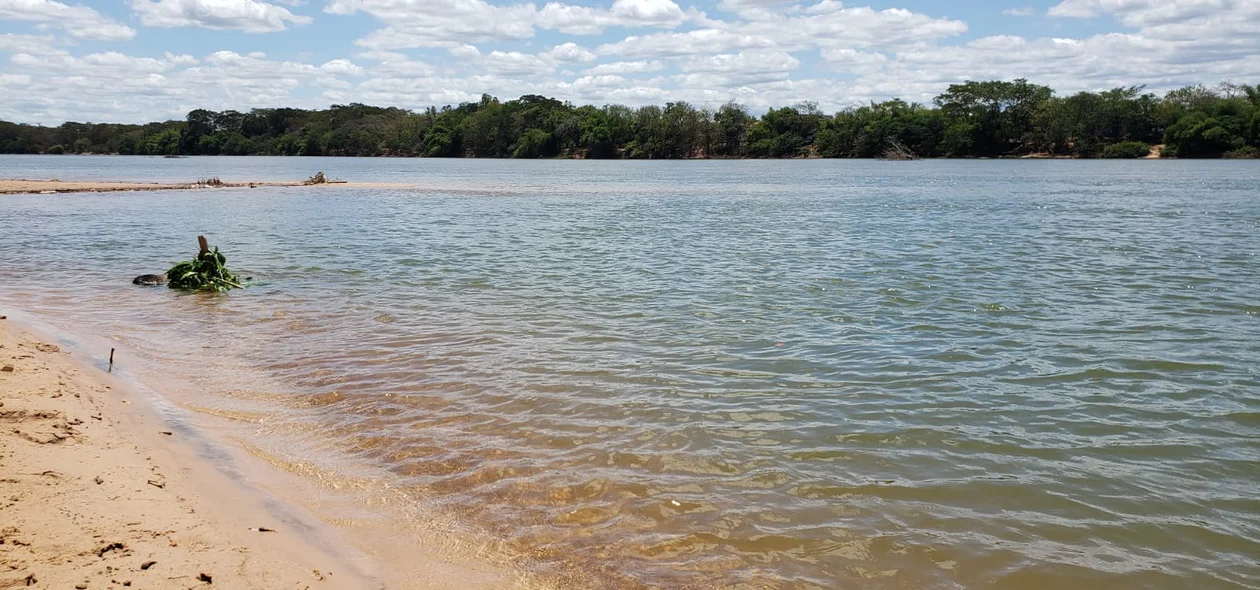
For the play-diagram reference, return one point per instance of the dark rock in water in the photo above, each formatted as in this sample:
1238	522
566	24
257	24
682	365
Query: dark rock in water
149	280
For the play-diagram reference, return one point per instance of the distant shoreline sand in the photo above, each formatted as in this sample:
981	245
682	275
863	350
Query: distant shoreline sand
16	186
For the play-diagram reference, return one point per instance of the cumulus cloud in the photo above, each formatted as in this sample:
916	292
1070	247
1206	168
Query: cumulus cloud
14	42
144	88
464	51
745	67
516	63
342	66
250	16
626	67
854	60
77	20
663	12
761	53
697	42
570	52
835	28
438	23
1149	13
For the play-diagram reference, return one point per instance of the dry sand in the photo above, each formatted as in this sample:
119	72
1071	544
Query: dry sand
90	499
98	490
26	186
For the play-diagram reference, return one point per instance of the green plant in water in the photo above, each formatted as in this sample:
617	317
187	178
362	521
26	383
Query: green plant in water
206	272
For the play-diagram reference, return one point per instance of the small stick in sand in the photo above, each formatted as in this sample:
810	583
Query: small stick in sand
111	361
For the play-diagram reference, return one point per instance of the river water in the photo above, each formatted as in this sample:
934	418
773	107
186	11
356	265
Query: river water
760	374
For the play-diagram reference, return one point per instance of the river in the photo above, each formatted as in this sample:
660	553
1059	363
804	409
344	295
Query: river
761	374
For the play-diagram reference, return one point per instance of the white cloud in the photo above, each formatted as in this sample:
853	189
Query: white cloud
516	63
626	67
77	20
744	61
13	42
855	60
570	52
759	52
439	23
756	8
121	87
401	69
342	66
1147	13
15	79
739	69
1022	11
464	51
824	7
250	16
836	28
858	27
697	42
663	12
376	55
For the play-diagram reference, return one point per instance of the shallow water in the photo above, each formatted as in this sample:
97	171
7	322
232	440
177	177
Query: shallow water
798	374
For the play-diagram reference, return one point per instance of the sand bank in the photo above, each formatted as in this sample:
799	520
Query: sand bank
25	186
98	492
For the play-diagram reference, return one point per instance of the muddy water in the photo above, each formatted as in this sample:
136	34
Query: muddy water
760	374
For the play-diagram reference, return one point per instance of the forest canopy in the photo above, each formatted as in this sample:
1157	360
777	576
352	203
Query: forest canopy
972	119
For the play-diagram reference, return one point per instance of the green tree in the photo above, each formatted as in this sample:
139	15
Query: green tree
534	143
998	113
732	122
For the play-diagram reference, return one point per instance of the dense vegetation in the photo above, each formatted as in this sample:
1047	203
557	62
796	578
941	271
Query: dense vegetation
974	119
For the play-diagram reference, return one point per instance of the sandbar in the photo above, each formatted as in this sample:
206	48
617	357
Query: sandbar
30	186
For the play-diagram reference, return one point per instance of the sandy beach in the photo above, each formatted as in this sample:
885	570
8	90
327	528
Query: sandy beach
89	498
95	492
30	186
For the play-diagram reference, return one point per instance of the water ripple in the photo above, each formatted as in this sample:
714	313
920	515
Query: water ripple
722	374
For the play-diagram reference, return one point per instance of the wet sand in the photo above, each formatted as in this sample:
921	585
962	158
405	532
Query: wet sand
98	492
27	186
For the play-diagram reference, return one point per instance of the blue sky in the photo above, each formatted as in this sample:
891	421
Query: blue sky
138	60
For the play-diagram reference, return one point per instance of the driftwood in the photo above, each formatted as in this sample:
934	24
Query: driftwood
319	178
898	151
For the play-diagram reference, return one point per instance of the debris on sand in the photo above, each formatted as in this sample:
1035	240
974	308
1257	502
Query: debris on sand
319	178
898	151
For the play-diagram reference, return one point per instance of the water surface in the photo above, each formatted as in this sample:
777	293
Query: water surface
763	374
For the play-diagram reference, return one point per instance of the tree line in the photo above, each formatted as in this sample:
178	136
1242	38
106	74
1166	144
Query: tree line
973	119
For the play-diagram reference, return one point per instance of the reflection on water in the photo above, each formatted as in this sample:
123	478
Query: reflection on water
760	374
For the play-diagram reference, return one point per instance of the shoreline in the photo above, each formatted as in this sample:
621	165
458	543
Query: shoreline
97	481
21	186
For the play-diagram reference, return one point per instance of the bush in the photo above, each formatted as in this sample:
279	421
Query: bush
1127	149
1244	153
1199	136
57	149
206	272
